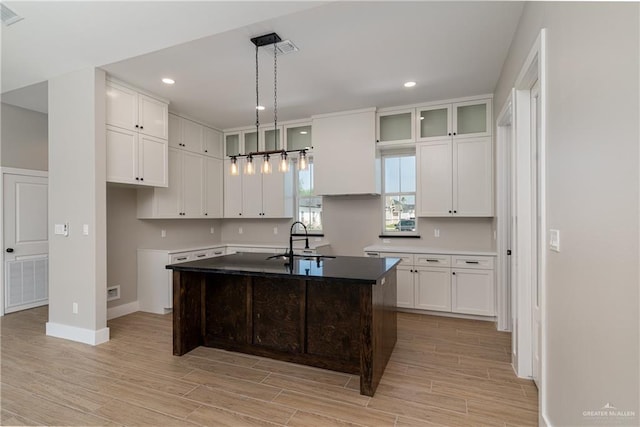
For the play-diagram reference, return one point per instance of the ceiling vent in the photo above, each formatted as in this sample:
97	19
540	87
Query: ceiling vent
283	47
8	16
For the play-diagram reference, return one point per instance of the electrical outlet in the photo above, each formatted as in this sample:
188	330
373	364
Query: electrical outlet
75	308
212	230
275	230
163	233
240	230
85	229
436	232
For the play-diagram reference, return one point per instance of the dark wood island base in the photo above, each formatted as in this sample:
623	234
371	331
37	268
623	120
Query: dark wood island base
342	325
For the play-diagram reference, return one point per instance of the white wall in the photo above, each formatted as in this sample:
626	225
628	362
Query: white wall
24	138
352	222
592	293
126	233
77	195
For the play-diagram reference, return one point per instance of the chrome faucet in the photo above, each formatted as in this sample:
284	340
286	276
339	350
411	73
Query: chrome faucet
291	239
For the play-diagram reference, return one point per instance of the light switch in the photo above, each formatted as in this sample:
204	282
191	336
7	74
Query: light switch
554	240
61	229
85	229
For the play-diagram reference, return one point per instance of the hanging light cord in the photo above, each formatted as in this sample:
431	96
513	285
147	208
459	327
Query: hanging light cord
275	89
257	95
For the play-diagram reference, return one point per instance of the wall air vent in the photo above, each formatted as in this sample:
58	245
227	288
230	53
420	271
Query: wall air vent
8	16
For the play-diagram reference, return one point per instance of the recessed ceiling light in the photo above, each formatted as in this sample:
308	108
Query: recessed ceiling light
409	84
260	107
168	81
303	132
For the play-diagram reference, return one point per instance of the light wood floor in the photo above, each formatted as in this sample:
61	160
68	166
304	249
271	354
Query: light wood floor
443	372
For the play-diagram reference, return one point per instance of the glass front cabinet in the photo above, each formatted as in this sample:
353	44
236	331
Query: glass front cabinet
467	119
395	127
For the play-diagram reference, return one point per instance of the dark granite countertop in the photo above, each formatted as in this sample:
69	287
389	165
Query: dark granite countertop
343	268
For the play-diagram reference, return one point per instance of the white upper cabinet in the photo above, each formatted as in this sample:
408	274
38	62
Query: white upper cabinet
435	179
133	158
232	144
192	136
458	120
395	127
473	177
188	135
258	195
345	158
136	137
213	143
194	191
129	109
455	178
152	117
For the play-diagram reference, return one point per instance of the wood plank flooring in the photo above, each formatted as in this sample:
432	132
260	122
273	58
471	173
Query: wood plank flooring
443	371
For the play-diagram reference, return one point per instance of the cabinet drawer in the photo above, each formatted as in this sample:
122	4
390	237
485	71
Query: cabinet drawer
433	260
481	262
199	255
176	258
216	252
405	259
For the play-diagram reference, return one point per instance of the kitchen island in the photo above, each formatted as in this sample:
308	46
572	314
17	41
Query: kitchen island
335	313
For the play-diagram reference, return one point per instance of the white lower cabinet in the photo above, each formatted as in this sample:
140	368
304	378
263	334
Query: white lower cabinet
446	283
155	282
405	286
472	291
433	288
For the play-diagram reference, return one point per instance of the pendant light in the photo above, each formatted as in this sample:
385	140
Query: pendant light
302	161
234	166
269	41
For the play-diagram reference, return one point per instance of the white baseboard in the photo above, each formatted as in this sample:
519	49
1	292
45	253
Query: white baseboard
122	310
73	333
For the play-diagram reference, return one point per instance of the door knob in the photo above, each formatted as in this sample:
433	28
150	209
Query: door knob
9	250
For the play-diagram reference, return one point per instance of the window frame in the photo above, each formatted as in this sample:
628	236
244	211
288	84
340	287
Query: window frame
384	194
297	197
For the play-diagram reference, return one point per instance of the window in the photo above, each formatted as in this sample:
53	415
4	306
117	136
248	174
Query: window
309	207
399	194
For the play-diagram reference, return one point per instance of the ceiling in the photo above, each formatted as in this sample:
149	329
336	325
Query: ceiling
352	55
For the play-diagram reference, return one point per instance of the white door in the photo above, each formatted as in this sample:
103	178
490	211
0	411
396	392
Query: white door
26	243
152	161
434	178
122	155
473	177
168	199
152	117
232	191
213	188
536	268
405	291
193	185
433	288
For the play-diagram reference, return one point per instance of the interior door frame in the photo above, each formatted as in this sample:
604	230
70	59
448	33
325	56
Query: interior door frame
533	69
505	171
10	171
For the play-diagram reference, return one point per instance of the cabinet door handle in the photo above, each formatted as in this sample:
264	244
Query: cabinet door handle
205	151
137	126
432	260
181	259
454	273
472	262
201	256
206	213
141	179
217	253
141	127
454	134
449	133
137	179
449	211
